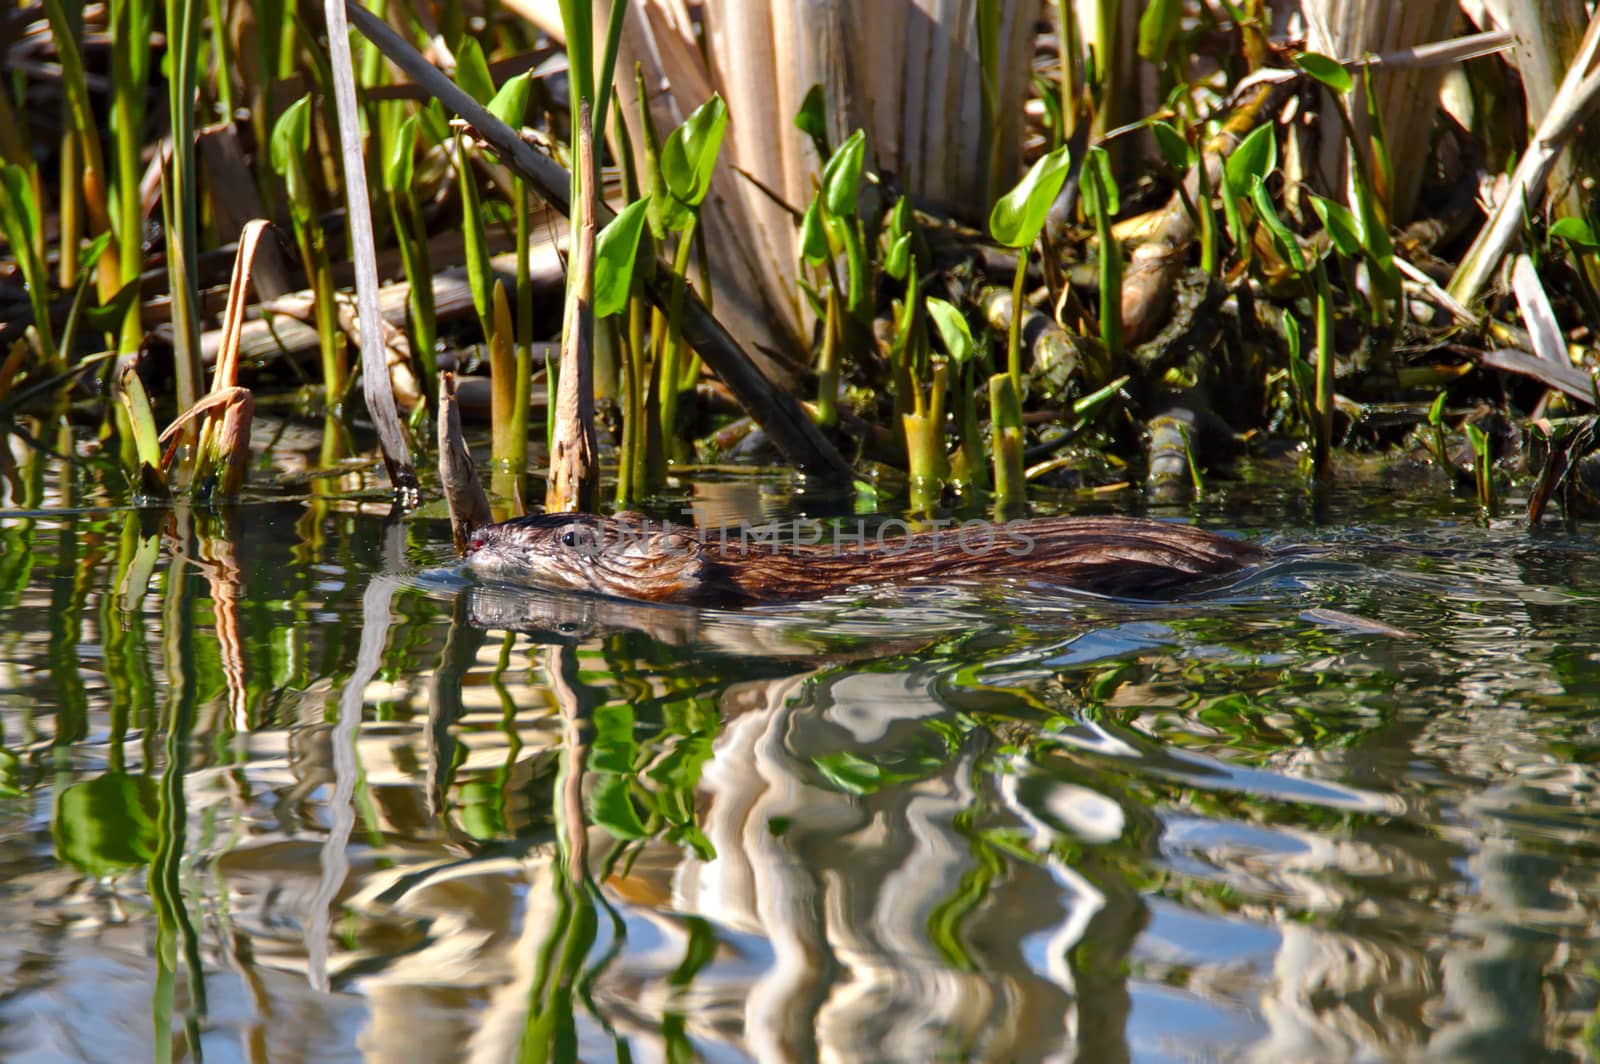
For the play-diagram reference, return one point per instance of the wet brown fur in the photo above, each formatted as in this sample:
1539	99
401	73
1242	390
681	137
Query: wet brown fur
1121	556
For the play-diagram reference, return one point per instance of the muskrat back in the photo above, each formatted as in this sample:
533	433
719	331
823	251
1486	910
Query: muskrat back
637	559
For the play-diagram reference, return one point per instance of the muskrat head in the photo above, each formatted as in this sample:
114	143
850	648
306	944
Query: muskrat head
629	558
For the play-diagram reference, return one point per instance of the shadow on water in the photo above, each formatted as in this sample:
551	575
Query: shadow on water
278	784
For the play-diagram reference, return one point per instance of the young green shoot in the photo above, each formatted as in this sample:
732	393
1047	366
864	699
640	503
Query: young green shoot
969	469
1016	221
1101	201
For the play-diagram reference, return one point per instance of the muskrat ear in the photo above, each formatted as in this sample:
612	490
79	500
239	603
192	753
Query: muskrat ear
630	517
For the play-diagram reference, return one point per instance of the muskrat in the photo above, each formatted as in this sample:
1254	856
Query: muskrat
630	557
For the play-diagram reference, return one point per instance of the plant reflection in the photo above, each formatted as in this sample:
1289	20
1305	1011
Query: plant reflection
309	793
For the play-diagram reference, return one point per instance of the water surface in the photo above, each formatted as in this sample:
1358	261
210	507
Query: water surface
280	783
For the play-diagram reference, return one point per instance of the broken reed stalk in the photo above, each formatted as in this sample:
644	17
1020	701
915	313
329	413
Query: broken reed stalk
463	491
375	384
1579	92
574	483
780	413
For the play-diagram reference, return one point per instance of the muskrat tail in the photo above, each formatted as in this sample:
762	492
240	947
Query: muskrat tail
463	491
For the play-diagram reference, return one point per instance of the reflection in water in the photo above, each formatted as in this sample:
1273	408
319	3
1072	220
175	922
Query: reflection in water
276	785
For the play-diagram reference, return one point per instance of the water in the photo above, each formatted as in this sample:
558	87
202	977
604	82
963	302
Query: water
281	783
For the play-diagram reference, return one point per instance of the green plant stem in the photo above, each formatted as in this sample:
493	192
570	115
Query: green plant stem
1014	330
925	454
314	254
224	58
1209	256
828	365
672	351
413	239
181	204
636	425
1324	398
92	179
1005	415
973	473
69	215
855	253
524	315
1110	275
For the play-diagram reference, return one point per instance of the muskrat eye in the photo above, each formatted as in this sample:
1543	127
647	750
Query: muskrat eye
477	543
569	538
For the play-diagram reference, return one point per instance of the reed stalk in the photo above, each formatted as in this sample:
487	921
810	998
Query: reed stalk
130	63
926	460
180	203
1005	418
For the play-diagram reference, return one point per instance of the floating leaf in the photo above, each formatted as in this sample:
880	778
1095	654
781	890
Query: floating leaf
1020	214
615	250
1327	70
841	178
690	152
953	329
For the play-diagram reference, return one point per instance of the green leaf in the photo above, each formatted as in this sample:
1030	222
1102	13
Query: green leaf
813	235
841	178
1173	147
1342	226
479	276
690	153
900	219
1287	244
1436	411
1101	188
1575	231
435	124
1020	214
510	104
812	118
953	329
1329	71
1255	157
291	135
19	211
615	250
1158	28
401	166
472	72
898	259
